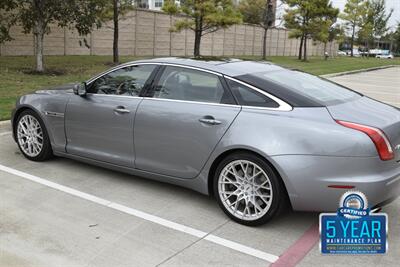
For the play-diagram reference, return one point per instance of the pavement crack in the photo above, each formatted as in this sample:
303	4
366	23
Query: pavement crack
193	243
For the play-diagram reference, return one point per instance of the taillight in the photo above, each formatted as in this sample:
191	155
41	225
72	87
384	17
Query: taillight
379	138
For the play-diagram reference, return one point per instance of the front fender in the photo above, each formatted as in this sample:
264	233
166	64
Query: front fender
51	109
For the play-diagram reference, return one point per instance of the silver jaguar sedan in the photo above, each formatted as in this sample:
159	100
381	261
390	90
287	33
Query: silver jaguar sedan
256	136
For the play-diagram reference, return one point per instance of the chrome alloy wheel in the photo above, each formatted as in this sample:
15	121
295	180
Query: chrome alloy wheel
245	190
30	135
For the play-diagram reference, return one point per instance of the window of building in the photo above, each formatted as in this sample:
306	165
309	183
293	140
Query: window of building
158	3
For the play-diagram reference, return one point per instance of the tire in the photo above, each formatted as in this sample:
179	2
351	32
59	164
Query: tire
32	137
246	202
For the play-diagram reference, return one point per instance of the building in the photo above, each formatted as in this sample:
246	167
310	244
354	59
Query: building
151	4
157	4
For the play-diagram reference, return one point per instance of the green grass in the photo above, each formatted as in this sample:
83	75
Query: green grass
319	66
15	82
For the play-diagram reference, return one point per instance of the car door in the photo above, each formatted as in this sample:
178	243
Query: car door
178	127
100	125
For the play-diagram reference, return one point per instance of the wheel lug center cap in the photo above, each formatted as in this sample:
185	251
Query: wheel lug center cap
247	189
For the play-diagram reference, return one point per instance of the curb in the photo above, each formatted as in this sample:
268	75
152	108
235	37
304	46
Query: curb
5	123
357	71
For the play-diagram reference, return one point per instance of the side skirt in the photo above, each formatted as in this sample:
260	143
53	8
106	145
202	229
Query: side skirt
196	184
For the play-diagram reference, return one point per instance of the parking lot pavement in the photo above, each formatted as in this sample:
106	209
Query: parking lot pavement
383	84
44	226
65	213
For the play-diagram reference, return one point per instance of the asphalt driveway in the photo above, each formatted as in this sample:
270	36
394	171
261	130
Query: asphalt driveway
66	213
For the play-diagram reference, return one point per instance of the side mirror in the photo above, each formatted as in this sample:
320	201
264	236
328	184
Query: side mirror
80	89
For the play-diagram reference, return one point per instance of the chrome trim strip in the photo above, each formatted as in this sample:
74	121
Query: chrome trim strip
129	64
283	106
124	96
54	114
393	181
191	102
191	67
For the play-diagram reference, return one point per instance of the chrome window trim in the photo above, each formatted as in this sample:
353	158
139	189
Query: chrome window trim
191	102
125	96
283	106
117	68
191	67
130	64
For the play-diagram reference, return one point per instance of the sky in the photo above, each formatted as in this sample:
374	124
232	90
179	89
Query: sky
394	19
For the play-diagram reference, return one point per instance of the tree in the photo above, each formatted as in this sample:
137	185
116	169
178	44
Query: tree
6	20
374	24
353	14
307	18
366	32
36	16
203	17
329	32
116	10
336	33
395	38
326	29
378	17
261	13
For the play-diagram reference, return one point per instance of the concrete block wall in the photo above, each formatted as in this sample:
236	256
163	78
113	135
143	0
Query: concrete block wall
147	33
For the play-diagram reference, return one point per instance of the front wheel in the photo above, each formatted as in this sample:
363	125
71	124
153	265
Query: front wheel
248	190
32	137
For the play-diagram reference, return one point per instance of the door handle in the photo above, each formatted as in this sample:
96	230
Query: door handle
210	121
121	110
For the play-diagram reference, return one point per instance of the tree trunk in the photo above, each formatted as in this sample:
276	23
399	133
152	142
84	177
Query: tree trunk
197	35
352	40
305	48
325	52
391	44
197	42
264	51
301	47
116	33
39	36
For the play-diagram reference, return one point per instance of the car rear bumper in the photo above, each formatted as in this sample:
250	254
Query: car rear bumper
307	180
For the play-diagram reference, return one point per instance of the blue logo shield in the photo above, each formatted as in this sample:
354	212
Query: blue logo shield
353	230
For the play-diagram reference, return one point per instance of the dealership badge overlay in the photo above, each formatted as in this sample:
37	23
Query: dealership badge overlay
353	229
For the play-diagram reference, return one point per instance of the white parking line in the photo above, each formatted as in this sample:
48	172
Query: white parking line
145	216
5	133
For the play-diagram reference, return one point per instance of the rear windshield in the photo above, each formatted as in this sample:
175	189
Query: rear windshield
310	86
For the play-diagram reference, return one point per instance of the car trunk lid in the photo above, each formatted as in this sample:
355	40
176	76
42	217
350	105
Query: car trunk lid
372	113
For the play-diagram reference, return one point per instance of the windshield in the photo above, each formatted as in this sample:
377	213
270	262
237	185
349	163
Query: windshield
320	90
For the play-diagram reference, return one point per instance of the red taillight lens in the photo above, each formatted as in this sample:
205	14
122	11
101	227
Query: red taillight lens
379	138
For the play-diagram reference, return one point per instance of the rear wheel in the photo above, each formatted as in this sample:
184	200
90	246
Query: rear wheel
247	189
32	137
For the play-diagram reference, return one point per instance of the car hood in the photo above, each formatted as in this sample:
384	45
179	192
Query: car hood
61	89
370	112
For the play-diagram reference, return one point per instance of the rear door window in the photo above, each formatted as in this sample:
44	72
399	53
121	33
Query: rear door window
180	83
